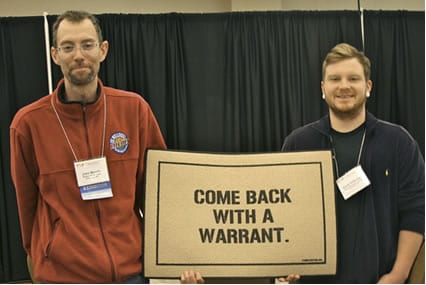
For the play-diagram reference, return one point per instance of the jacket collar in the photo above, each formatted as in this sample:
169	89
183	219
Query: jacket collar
61	94
73	110
323	125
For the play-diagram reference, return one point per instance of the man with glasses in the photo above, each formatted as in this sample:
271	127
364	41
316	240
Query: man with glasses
77	163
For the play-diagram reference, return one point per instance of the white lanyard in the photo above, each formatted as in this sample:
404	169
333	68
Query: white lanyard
355	179
359	154
360	148
66	135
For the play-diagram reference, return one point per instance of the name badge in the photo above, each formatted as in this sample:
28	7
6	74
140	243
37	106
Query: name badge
352	182
93	178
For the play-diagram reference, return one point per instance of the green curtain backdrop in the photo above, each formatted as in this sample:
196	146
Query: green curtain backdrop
226	82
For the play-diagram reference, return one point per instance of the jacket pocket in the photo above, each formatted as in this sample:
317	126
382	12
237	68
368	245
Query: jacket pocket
49	244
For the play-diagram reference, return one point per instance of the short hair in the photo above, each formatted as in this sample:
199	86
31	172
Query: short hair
344	51
76	17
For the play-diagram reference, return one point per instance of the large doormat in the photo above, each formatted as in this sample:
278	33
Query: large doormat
239	215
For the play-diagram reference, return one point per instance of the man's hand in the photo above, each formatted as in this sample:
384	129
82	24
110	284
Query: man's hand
31	269
409	244
289	278
191	277
392	278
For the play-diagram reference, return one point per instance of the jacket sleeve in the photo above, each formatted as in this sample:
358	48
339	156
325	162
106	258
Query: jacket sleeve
305	138
288	144
24	172
411	186
150	137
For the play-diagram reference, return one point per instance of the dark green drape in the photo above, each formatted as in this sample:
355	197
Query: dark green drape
176	62
273	73
23	79
226	82
395	44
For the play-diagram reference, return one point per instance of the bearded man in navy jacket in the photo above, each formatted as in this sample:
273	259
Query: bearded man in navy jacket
380	227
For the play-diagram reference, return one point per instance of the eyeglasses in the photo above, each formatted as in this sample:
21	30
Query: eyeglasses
86	47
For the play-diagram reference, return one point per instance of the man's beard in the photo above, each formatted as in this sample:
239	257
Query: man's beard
350	113
79	81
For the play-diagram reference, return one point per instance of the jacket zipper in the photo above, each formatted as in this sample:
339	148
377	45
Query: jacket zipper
98	215
86	132
97	210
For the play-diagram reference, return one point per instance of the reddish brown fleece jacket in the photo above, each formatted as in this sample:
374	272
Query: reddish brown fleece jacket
68	239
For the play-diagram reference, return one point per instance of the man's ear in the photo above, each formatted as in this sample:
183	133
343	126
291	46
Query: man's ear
369	85
104	50
54	54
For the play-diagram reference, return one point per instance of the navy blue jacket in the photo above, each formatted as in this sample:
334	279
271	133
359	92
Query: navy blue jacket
393	202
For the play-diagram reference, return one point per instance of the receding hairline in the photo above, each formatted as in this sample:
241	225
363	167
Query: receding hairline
76	17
